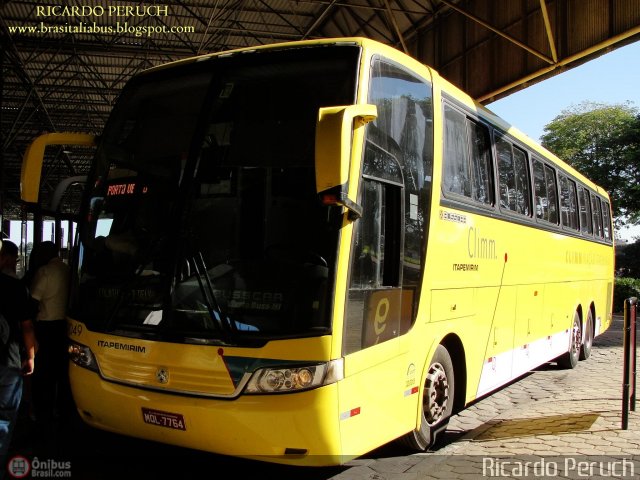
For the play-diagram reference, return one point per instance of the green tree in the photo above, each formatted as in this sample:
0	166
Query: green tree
602	142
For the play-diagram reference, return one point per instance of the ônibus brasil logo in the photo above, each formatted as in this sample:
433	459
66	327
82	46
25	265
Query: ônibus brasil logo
19	467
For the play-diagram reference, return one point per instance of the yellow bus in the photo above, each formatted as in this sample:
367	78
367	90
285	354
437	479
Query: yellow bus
300	252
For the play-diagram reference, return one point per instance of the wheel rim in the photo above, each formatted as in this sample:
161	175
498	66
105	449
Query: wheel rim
436	394
576	338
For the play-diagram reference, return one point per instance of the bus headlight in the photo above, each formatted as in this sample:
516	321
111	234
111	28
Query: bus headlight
82	356
295	379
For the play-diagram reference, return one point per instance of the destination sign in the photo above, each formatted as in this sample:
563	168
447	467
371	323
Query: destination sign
119	189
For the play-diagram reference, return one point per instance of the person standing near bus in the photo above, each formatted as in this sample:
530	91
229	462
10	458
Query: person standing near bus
17	310
9	258
50	384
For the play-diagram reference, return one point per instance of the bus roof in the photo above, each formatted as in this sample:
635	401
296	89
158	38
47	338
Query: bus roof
419	67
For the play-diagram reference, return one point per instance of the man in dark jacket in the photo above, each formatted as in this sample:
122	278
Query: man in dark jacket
17	310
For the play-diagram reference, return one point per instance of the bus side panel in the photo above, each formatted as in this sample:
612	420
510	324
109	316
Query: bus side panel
607	303
529	327
498	360
602	298
557	315
377	399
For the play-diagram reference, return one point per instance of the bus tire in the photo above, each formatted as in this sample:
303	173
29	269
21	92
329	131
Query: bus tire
438	393
570	359
585	351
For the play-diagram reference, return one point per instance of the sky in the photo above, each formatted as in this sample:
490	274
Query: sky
612	78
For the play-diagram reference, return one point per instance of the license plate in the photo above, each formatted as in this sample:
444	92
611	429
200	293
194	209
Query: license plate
163	419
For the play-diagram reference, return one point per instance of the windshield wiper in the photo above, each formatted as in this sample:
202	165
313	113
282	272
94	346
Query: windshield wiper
206	287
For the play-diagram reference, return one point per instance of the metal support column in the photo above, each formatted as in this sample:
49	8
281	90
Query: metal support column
629	356
3	56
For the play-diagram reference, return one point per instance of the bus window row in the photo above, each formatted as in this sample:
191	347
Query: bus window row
525	184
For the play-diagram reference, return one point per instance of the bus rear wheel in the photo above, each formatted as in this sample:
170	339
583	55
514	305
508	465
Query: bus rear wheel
570	359
437	402
585	351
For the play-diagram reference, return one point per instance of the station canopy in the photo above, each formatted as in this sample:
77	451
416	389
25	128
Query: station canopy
60	75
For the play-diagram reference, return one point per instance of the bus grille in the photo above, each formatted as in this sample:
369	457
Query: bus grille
211	379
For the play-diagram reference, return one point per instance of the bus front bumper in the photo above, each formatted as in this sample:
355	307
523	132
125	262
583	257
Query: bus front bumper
297	428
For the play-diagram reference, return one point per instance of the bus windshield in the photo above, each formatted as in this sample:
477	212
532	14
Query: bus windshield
202	222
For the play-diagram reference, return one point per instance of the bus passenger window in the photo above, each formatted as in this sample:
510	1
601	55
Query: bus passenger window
552	192
585	211
513	175
467	158
546	194
540	191
505	175
606	220
457	178
481	163
522	182
597	216
568	208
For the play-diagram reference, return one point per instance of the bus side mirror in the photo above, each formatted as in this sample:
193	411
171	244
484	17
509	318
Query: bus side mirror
334	131
34	157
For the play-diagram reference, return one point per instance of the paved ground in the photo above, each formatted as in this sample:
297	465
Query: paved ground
568	421
565	423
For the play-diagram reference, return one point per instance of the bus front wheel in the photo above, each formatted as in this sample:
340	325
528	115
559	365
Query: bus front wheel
437	402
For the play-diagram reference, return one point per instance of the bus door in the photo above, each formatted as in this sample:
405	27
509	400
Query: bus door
374	314
387	261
